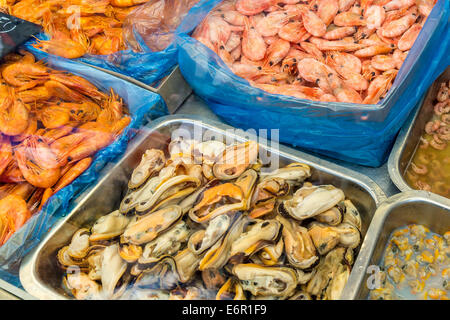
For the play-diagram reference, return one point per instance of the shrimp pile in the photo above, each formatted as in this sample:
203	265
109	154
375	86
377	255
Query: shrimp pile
430	167
321	50
51	124
76	27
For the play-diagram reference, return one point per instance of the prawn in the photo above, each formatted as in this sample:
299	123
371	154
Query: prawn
13	115
25	75
253	44
76	170
327	10
409	37
5	152
13	215
379	86
313	24
37	163
253	7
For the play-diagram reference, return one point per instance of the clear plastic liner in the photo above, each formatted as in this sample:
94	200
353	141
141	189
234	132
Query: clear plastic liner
143	105
357	133
148	65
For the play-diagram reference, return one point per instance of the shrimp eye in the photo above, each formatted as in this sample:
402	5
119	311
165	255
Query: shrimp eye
222	47
69	159
363	35
316	6
392	45
222	15
259	68
295	60
317	81
373	74
330	74
271	63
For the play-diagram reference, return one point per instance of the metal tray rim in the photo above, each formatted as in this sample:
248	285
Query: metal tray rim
372	235
26	272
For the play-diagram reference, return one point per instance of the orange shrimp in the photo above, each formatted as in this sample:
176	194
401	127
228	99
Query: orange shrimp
112	110
316	72
425	6
127	3
59	90
253	44
37	163
35	94
31	129
13	215
312	49
12	173
118	127
45	196
25	75
104	45
63	46
89	146
345	5
13	115
83	112
76	170
54	116
64	145
5	152
79	84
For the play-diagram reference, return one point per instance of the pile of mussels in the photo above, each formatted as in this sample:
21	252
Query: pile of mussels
203	221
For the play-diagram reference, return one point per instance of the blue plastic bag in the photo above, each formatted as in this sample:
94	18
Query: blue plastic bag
148	67
361	134
143	106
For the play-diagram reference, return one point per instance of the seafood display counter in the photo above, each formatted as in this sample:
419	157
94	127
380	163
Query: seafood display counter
41	272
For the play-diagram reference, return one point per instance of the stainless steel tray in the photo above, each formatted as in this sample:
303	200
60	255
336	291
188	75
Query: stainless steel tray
39	273
419	207
173	88
408	139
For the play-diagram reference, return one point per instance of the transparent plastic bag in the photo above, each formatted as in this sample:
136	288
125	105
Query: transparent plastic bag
155	22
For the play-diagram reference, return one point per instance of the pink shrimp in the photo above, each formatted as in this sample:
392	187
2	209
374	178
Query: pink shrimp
344	62
425	6
383	62
236	53
345	5
293	32
398	27
327	10
313	24
336	45
375	16
253	7
339	33
218	29
398	4
289	63
363	33
276	52
272	23
233	42
379	86
253	44
342	91
316	72
373	51
409	37
349	19
369	73
312	49
234	17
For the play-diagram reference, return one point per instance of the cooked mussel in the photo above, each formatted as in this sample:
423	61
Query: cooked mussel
152	162
257	234
234	160
294	173
299	247
167	243
204	239
231	290
266	281
150	226
310	201
109	226
220	199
